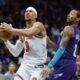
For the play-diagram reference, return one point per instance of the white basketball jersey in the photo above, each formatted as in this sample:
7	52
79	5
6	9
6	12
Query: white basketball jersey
35	50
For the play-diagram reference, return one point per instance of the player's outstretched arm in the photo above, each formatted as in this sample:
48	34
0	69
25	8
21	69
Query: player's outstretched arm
35	29
16	49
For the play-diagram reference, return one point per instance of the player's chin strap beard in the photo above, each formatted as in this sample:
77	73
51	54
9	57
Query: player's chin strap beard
27	20
69	23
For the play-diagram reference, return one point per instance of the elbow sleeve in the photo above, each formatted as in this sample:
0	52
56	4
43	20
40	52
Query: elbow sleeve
15	50
56	57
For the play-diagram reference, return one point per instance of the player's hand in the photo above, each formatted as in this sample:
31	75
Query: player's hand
1	28
5	27
46	71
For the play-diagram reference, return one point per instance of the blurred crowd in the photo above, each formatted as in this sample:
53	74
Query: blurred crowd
53	15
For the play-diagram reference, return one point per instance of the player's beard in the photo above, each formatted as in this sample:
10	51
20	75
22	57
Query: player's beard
69	23
28	20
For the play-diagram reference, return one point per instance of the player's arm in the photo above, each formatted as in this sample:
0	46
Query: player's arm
16	49
67	33
35	29
51	44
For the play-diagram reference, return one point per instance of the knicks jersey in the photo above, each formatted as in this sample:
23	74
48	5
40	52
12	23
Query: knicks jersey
35	50
71	49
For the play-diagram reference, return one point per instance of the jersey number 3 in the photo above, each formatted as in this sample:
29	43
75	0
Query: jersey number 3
27	48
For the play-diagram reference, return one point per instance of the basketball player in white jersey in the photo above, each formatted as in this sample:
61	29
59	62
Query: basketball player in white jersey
33	40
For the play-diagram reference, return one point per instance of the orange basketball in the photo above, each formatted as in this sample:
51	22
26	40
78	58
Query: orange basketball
5	35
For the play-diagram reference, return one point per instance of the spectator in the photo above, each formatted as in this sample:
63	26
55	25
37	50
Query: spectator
11	71
2	77
1	68
1	71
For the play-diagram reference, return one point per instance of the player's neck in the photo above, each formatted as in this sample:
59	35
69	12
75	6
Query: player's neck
74	24
30	23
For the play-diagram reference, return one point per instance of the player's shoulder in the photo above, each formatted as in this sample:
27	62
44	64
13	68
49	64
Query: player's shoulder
41	27
69	30
38	23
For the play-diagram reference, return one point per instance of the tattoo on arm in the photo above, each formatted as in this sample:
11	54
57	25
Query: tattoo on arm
67	33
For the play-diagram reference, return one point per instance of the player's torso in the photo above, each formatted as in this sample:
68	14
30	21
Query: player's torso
35	51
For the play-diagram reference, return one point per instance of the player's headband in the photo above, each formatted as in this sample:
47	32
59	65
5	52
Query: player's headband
33	9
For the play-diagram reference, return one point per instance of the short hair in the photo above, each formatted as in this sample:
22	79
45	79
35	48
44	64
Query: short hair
11	63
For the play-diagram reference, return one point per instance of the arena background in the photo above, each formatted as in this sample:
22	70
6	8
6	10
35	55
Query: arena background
51	12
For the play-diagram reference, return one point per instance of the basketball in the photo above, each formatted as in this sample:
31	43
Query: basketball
5	35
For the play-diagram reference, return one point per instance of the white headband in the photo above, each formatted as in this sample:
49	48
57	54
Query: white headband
33	9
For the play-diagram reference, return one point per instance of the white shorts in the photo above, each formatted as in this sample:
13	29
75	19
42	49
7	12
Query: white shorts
29	72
